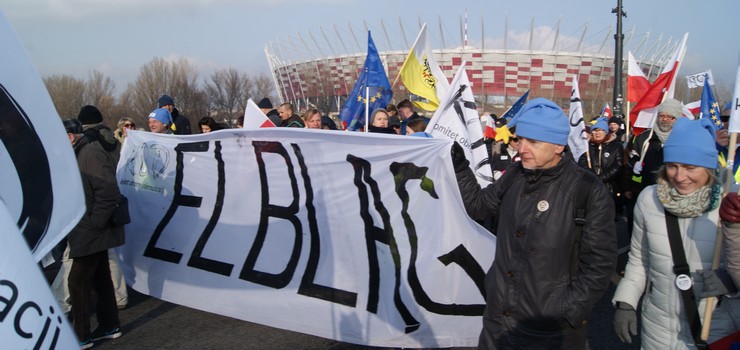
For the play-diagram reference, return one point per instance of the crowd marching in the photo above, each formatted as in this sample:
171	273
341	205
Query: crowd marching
553	215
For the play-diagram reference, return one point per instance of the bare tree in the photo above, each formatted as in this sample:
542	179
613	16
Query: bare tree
262	86
67	94
227	93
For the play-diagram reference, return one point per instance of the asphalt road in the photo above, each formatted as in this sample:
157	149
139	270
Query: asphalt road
150	323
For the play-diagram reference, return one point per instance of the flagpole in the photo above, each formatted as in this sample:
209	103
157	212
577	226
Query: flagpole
367	106
709	306
407	57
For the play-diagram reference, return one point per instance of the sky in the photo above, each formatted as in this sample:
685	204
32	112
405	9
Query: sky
118	37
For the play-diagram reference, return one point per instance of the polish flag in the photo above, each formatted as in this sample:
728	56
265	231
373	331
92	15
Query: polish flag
490	131
637	83
663	87
691	109
254	118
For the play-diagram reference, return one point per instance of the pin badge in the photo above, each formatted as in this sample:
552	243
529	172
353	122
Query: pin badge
683	282
543	205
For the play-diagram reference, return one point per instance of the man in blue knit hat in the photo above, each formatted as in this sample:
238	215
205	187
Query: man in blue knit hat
160	121
556	239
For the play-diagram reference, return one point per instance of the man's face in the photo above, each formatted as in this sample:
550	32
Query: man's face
405	112
538	154
169	108
613	127
665	122
284	113
156	126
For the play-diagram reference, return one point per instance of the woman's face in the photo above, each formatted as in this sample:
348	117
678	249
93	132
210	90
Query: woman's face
598	134
314	121
205	129
380	120
686	178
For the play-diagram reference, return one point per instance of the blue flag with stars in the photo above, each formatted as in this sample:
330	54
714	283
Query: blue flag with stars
372	76
710	109
516	106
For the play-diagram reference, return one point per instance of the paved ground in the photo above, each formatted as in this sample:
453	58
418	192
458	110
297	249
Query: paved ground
150	323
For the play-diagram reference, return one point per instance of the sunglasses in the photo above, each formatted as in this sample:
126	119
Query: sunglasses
129	125
513	139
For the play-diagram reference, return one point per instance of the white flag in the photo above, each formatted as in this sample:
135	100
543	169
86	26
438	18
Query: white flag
578	137
735	104
457	119
40	182
697	80
254	118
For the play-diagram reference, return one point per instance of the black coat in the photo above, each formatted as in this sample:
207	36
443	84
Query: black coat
607	162
532	297
182	124
652	161
93	233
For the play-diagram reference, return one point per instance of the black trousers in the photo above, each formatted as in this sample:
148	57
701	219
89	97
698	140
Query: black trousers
91	273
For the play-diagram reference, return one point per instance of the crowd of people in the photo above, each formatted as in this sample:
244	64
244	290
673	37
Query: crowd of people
553	215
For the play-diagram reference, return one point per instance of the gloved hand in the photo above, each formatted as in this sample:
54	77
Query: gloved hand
711	283
625	322
637	168
459	161
729	210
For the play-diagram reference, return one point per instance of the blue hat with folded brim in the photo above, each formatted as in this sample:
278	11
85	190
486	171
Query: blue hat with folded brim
691	142
162	115
542	120
601	123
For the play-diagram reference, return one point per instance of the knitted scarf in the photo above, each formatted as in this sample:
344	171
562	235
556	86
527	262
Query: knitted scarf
688	205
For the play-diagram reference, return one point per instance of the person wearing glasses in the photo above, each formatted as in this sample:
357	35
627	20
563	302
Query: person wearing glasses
124	125
505	156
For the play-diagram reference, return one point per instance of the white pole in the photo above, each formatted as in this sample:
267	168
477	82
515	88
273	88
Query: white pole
367	106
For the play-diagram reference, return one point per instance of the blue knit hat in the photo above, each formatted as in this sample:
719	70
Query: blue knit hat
162	115
601	123
542	120
691	142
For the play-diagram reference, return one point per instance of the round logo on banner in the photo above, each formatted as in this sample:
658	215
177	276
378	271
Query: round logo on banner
683	282
543	205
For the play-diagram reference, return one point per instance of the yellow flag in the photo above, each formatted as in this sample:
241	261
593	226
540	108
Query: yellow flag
421	75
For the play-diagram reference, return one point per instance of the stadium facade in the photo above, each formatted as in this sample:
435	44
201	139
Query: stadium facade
306	75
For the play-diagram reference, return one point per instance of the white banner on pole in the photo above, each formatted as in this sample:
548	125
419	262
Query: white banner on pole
40	182
457	119
361	238
30	317
697	80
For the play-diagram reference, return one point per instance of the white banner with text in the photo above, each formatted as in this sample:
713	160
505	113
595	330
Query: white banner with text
362	238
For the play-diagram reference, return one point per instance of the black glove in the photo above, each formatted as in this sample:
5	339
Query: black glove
459	162
625	322
711	283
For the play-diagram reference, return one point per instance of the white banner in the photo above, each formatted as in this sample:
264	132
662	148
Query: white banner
457	119
734	124
578	137
697	80
33	146
29	316
362	238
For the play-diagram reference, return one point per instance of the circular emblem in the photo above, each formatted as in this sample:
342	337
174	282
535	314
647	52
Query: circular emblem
543	205
683	282
606	154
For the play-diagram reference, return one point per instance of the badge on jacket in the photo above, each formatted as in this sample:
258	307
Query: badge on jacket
683	282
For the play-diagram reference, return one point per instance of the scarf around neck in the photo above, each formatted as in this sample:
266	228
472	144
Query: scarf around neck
689	205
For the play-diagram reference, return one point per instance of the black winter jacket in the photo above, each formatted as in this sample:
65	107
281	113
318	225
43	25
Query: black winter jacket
532	297
93	233
607	162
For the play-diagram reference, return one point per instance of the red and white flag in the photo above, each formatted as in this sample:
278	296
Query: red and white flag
662	88
691	109
254	118
490	131
637	83
606	112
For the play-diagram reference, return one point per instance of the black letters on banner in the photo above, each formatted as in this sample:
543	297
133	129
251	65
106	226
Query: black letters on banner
375	234
178	200
402	173
248	272
20	315
308	287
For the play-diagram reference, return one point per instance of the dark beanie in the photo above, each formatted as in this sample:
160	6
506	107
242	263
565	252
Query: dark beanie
90	115
265	103
617	120
165	100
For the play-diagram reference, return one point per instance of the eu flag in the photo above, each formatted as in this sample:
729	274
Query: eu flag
710	109
511	112
372	76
